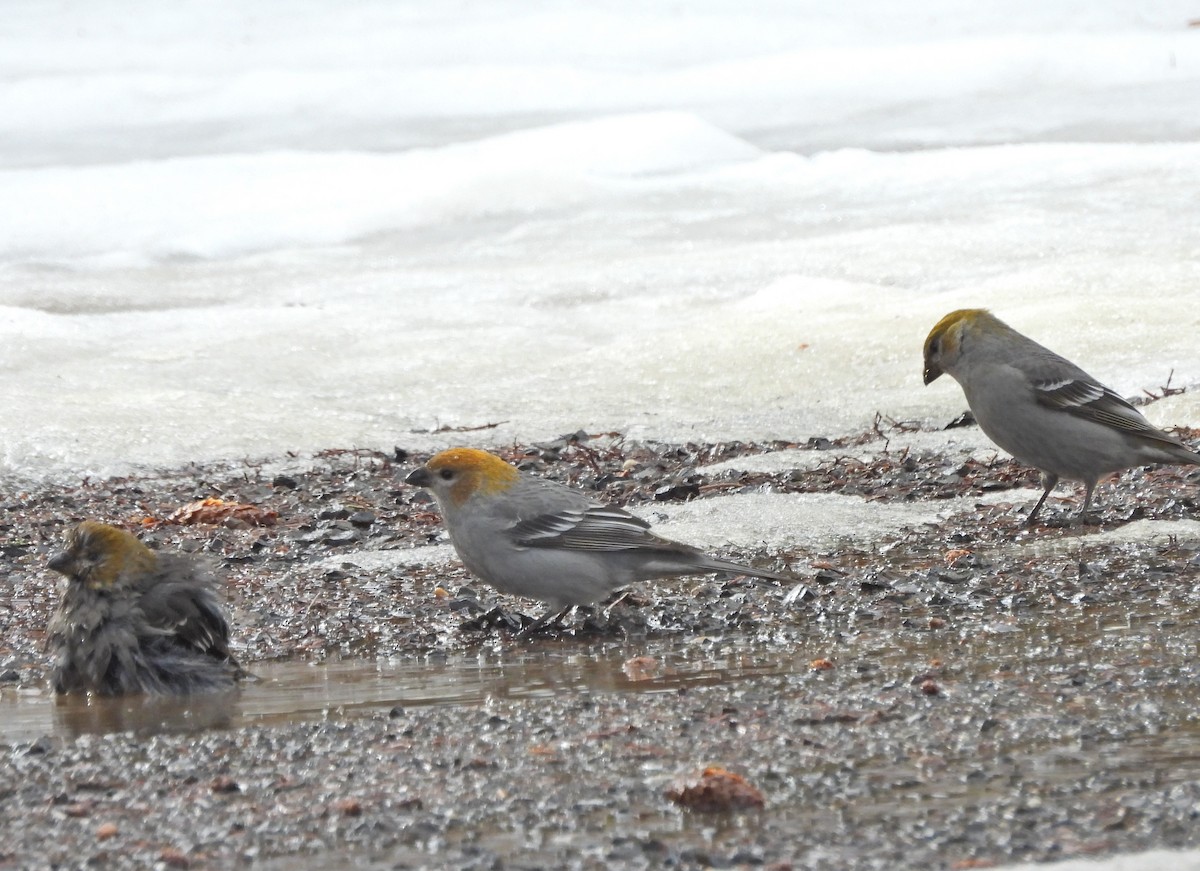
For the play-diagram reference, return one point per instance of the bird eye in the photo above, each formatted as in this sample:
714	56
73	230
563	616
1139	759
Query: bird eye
446	474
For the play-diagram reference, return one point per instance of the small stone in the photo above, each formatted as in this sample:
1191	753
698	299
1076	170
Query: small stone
286	481
224	784
106	831
173	858
41	746
677	492
340	538
362	519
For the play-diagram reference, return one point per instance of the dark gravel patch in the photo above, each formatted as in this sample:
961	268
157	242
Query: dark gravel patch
970	699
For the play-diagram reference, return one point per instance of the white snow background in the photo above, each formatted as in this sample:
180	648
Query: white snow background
237	229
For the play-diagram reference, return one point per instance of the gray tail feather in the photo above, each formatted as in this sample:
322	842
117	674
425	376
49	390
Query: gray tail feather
720	565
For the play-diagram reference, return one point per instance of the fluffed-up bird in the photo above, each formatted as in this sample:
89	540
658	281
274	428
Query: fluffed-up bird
133	620
544	540
1042	408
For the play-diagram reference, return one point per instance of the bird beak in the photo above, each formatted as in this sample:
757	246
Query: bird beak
60	562
419	477
932	372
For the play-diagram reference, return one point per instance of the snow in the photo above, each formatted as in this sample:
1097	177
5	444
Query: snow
239	231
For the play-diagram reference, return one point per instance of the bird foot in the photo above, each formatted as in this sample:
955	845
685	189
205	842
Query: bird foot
493	618
551	618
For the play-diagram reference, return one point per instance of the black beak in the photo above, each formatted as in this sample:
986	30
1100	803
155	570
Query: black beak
932	372
60	562
419	477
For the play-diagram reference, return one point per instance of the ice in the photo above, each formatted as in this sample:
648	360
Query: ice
433	555
1086	538
218	77
1151	860
221	206
816	521
958	444
237	233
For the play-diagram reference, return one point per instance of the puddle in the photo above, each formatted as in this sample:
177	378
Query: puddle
292	692
1084	707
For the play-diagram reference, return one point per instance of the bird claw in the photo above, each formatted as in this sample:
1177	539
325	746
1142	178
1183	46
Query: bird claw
496	617
550	618
466	603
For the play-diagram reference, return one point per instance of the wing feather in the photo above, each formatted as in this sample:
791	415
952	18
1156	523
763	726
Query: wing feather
1093	401
592	527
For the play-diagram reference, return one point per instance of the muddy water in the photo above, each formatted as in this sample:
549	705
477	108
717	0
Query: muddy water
1103	640
1071	715
287	692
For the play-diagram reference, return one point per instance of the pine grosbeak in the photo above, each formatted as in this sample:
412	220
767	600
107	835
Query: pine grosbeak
543	540
135	621
1042	408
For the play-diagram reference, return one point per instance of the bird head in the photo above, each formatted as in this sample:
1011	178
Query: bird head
99	556
458	474
944	342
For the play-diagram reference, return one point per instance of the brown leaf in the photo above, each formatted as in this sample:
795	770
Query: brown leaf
215	511
640	668
954	555
716	790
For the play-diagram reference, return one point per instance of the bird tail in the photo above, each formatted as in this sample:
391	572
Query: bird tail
713	564
1179	453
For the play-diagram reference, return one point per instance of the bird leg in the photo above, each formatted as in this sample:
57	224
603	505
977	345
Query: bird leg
551	616
1087	502
1048	481
608	609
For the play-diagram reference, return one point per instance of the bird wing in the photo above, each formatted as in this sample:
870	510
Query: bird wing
591	527
1090	400
187	610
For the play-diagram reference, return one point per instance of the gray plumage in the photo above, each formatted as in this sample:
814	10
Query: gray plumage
541	539
135	621
1041	407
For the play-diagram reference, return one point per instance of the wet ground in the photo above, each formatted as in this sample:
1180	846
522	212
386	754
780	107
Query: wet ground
942	690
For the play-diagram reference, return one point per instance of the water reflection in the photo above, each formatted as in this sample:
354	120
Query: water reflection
1043	648
78	715
297	692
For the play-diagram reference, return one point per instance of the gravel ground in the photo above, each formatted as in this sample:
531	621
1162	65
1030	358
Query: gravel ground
957	695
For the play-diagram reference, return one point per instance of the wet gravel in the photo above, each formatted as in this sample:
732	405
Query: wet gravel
964	694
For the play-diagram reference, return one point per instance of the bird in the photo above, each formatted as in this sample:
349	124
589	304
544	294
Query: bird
531	537
133	620
1042	408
